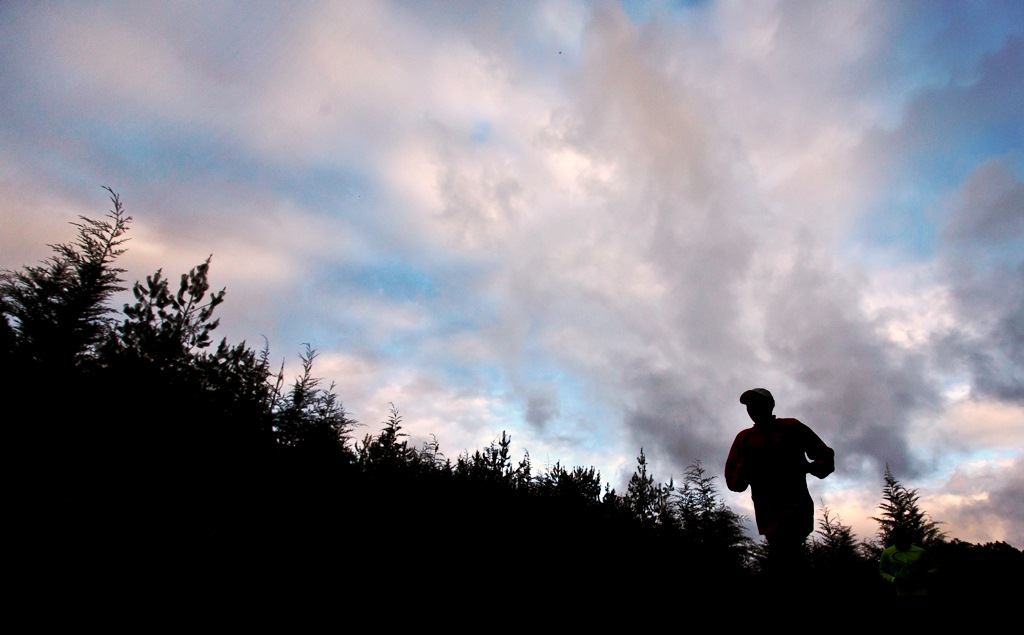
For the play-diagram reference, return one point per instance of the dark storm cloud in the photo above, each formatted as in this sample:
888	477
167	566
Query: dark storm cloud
862	391
541	409
672	421
987	212
983	258
1004	503
678	208
712	244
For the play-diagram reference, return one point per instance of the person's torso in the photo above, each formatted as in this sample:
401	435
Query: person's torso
774	454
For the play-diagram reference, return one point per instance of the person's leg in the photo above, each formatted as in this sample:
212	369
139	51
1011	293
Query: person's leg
787	563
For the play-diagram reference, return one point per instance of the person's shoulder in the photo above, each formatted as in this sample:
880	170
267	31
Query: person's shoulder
745	437
789	422
742	433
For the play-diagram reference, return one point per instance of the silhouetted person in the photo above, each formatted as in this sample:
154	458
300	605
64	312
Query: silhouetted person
907	566
771	457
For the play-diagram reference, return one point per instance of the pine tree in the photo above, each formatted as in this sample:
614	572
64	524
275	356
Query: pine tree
310	417
493	464
901	511
55	317
387	452
837	539
709	527
56	313
579	485
648	501
167	328
704	516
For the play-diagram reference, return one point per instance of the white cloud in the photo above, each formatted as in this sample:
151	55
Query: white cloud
621	238
973	424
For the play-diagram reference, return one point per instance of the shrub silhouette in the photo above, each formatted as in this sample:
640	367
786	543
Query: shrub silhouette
143	451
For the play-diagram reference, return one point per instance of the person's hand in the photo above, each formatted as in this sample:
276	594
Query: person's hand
908	583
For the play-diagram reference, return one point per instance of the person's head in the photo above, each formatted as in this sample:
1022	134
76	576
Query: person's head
759	403
902	538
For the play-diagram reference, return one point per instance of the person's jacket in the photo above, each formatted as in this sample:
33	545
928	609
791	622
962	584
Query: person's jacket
771	457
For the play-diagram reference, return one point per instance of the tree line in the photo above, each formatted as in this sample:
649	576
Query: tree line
146	460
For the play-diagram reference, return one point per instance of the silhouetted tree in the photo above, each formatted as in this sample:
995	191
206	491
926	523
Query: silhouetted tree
56	312
900	509
706	519
979	573
168	328
311	418
494	464
839	565
156	457
389	450
55	315
649	502
837	540
580	485
161	352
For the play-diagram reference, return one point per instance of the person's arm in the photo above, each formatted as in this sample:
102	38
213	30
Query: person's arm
736	478
823	458
885	567
930	566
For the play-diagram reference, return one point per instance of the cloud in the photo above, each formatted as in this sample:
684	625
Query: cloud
541	408
980	502
592	227
988	208
975	423
983	243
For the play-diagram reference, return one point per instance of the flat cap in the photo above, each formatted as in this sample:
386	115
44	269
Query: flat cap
755	395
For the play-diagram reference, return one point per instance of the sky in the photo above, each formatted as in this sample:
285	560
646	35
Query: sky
591	225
